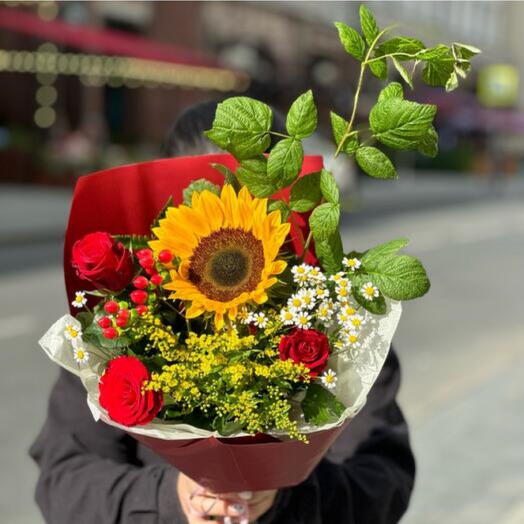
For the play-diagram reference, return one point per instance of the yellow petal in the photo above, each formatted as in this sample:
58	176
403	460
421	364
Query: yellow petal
195	310
231	211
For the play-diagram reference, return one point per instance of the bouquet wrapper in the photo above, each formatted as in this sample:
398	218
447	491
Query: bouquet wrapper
244	464
126	200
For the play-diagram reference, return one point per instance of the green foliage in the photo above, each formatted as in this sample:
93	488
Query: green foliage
242	126
375	163
404	46
330	252
392	90
132	242
351	40
279	205
285	161
229	176
199	185
400	277
403	72
329	187
301	120
339	125
253	174
429	143
324	220
377	306
401	124
305	193
368	24
379	68
320	406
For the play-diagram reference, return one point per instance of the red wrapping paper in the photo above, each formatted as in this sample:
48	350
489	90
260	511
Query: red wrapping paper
244	464
126	200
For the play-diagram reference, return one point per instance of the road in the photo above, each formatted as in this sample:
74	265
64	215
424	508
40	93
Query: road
461	349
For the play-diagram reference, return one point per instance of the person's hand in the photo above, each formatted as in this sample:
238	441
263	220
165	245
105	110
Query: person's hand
221	506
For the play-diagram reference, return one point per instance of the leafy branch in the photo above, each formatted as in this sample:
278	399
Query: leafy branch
243	127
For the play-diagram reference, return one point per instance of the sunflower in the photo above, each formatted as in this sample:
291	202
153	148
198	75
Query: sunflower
227	246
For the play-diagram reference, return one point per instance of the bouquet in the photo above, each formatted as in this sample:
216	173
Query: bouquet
216	316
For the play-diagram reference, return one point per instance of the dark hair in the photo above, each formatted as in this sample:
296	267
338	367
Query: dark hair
186	136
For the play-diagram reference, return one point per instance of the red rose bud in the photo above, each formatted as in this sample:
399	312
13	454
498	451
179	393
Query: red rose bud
121	322
104	322
307	346
110	333
100	259
141	309
139	296
141	253
122	394
111	307
165	256
157	279
151	271
140	282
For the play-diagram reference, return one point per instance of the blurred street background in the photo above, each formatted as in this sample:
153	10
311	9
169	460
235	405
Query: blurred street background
88	85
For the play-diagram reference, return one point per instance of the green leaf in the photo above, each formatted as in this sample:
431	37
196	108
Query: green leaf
439	65
463	51
375	163
253	174
383	250
401	277
241	126
229	176
330	253
351	41
85	318
329	187
392	90
339	126
377	306
302	117
400	44
305	193
368	24
401	124
320	406
324	220
131	242
404	73
285	161
452	82
429	144
281	206
199	185
379	68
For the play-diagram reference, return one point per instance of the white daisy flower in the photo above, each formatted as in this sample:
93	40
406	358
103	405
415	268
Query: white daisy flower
351	339
369	291
287	316
316	275
351	263
325	311
295	301
73	333
357	321
348	310
343	294
80	355
244	316
80	299
301	273
321	293
260	320
337	277
329	379
302	320
343	282
308	298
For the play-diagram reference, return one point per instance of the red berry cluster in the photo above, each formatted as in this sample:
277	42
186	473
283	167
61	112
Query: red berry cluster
143	296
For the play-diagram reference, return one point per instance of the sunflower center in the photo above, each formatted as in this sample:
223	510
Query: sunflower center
227	263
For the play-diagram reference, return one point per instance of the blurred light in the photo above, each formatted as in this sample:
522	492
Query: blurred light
46	95
498	85
47	63
47	10
45	117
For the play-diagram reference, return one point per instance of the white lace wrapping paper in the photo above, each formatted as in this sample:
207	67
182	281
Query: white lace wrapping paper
356	370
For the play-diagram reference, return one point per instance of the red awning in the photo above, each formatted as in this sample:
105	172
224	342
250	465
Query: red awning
95	40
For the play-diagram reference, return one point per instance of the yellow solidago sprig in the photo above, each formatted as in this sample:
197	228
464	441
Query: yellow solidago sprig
232	382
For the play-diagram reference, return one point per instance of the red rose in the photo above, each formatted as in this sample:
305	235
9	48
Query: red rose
306	346
97	257
122	396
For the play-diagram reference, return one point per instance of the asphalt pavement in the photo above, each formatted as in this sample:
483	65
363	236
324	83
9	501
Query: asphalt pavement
461	347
